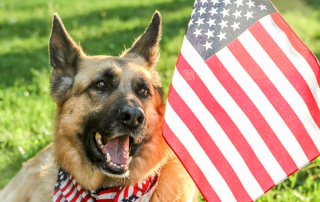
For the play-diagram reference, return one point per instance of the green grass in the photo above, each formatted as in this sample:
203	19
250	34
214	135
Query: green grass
105	27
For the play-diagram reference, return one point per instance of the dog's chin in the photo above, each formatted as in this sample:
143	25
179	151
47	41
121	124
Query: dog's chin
112	155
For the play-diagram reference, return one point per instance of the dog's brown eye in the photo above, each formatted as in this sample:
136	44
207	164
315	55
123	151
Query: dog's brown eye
143	91
100	84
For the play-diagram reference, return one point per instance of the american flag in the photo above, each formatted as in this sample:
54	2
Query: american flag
243	107
67	189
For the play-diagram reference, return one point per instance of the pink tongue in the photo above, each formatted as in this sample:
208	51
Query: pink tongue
118	148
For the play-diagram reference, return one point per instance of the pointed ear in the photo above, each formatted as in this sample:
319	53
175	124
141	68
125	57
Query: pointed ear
64	57
147	45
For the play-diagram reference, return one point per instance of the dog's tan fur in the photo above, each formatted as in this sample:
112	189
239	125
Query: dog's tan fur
68	86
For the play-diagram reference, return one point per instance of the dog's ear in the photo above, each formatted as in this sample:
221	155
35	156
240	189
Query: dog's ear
147	45
64	57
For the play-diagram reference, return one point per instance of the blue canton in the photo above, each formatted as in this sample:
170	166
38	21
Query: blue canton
216	23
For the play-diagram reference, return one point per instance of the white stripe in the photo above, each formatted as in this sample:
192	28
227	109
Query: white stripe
121	196
65	192
298	60
199	156
217	134
107	196
130	192
241	120
281	83
299	106
72	195
64	183
56	195
79	198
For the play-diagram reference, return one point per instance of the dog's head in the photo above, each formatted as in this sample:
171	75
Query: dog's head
109	109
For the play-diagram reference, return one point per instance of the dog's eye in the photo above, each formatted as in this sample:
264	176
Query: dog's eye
100	84
143	91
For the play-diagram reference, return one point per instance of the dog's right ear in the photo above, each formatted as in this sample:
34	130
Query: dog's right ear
64	58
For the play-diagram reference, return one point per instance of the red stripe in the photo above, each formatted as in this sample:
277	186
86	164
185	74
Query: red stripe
79	192
270	91
125	194
208	145
298	44
226	123
296	80
252	112
190	165
67	185
59	198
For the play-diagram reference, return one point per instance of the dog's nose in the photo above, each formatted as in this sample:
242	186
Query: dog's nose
131	117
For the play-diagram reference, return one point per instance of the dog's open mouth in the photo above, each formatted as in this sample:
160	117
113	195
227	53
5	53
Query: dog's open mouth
113	154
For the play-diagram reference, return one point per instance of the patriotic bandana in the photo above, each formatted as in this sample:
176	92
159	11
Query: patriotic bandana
67	189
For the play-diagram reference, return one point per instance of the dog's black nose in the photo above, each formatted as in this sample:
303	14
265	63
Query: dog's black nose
131	117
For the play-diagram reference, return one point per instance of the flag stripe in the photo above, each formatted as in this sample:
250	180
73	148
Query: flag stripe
269	150
300	55
210	148
190	165
217	134
279	46
229	127
264	107
198	155
258	64
293	85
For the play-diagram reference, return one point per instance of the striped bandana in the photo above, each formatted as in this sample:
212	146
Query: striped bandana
67	189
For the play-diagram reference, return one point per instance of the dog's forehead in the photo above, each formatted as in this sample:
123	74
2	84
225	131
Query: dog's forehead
90	67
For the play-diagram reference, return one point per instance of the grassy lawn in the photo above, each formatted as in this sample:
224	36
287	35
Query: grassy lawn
106	27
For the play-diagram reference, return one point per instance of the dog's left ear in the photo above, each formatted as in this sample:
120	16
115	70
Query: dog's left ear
64	58
147	45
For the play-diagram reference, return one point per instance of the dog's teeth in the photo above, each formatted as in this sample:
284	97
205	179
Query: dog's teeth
118	167
101	146
98	136
129	160
111	163
108	158
99	141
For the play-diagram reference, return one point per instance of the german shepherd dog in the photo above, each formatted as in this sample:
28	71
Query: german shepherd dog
108	125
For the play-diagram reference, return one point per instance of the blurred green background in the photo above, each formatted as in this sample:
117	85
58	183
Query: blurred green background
106	27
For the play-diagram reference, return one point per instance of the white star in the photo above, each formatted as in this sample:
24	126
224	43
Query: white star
200	21
239	3
263	7
225	12
197	32
222	36
203	1
193	12
207	45
61	177
190	23
195	2
237	14
211	22
57	184
201	11
250	3
213	11
209	34
235	26
223	24
249	15
214	1
226	2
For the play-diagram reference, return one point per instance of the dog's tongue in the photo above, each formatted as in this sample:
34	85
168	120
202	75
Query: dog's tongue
118	149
